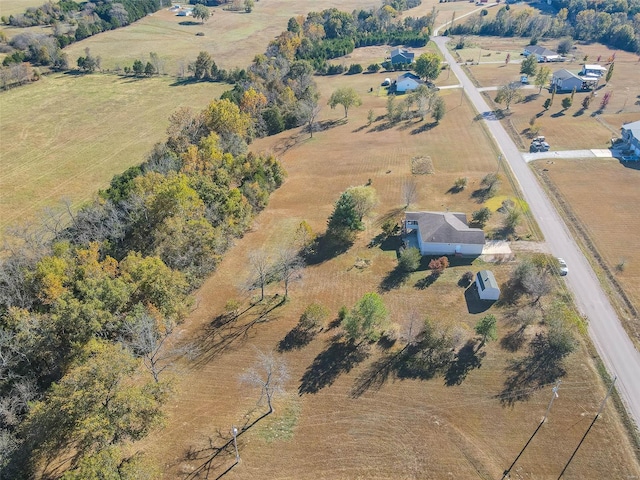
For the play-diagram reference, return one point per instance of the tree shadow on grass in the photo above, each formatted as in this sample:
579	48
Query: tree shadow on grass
543	365
466	360
394	279
296	339
474	303
378	373
427	281
340	357
514	340
325	248
530	98
228	329
423	128
188	23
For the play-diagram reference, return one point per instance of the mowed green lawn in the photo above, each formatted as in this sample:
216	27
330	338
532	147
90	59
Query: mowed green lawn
64	137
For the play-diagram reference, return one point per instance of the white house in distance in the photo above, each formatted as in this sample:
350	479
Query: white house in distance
408	81
444	233
631	135
542	54
565	81
593	71
487	286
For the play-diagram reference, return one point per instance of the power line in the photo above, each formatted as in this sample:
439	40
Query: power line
589	429
553	397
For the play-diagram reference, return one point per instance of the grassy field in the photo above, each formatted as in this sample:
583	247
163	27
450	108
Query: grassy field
603	194
66	136
244	35
570	129
12	7
339	418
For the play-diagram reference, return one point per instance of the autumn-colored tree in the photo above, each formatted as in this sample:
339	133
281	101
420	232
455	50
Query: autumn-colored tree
224	116
95	405
427	66
438	265
252	102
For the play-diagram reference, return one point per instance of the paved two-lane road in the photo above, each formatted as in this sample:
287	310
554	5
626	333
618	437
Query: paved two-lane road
610	339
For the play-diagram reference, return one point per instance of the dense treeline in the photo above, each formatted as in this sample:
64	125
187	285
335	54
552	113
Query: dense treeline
331	33
79	312
277	90
71	21
615	23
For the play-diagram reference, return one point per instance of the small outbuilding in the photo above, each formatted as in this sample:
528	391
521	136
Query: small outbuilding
487	286
593	71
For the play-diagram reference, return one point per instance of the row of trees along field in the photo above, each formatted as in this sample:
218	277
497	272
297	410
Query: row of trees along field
613	22
71	21
82	312
278	90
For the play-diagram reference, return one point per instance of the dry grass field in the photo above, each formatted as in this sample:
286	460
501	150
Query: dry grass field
12	7
573	129
340	416
603	194
233	38
65	136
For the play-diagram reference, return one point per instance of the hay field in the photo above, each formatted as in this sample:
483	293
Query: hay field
603	194
65	136
232	38
329	424
12	7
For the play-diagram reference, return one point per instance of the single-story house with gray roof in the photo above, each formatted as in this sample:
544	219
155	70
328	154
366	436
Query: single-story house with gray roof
542	54
565	81
631	135
401	55
488	288
444	233
408	81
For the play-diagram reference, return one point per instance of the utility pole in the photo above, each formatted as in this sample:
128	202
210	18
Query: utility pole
588	429
234	430
553	397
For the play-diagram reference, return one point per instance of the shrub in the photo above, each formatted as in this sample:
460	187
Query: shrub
313	316
481	217
460	183
467	278
373	68
409	260
354	68
438	265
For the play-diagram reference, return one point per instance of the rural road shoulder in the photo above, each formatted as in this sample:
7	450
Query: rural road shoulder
611	341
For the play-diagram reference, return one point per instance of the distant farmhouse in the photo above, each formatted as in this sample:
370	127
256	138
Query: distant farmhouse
593	71
631	136
443	233
408	81
401	55
542	54
565	81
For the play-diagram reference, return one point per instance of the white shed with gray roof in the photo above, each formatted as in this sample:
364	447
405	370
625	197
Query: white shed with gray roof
487	286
